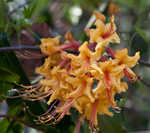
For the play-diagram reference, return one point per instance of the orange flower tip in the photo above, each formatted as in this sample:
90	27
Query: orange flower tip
100	16
113	9
138	55
87	31
112	19
130	75
68	36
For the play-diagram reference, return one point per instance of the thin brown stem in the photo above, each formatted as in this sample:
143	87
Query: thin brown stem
145	63
19	48
31	48
144	82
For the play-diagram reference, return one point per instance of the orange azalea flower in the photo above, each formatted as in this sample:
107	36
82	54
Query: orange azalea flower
104	32
99	16
121	57
113	9
69	78
50	45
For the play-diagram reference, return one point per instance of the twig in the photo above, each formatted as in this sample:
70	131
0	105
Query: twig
24	122
19	48
35	48
142	62
144	82
31	48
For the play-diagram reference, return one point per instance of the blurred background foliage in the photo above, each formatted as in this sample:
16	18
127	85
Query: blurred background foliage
26	21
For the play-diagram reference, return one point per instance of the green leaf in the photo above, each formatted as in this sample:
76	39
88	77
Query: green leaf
10	62
4	124
84	127
4	87
113	124
14	110
10	130
127	3
3	16
28	11
9	125
8	76
141	33
122	102
6	79
16	127
10	69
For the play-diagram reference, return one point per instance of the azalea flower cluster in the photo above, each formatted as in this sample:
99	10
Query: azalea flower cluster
88	77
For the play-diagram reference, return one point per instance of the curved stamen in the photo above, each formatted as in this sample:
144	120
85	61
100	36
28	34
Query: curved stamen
49	110
38	97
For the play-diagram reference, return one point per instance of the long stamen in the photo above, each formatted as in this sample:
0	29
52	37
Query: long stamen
49	110
36	98
66	108
51	116
26	92
29	90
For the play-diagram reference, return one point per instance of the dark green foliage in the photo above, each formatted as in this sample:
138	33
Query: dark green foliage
28	11
3	15
112	124
9	62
